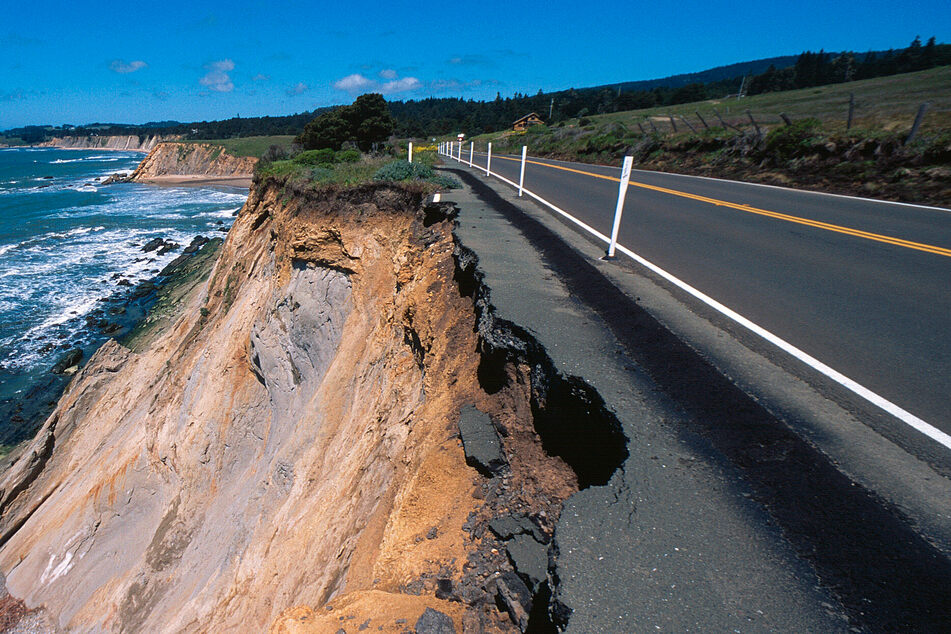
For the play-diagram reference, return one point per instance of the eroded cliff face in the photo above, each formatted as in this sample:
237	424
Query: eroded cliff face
130	143
192	159
287	454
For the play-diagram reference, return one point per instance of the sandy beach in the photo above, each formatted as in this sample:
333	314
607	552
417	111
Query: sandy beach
243	181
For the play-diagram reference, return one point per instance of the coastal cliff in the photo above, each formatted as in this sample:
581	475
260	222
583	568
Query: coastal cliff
290	451
127	143
192	159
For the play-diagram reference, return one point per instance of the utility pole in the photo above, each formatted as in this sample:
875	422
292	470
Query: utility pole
551	109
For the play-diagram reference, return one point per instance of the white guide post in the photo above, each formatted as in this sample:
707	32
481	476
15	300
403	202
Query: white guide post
621	193
521	174
471	151
488	161
410	151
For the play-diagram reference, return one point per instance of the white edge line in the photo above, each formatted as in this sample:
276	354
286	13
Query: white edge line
879	401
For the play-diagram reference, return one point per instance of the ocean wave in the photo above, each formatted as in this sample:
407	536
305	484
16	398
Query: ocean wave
223	213
53	276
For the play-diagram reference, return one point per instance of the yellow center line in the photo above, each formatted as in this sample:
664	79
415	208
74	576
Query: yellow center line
858	233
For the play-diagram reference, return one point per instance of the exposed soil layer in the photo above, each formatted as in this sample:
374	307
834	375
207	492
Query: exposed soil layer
191	159
284	449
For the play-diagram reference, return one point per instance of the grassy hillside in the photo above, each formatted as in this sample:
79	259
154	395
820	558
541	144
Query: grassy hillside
882	103
816	151
249	146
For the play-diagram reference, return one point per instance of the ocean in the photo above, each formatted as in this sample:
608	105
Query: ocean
66	243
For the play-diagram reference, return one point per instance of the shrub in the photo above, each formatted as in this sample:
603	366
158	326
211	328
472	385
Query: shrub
315	157
402	171
446	182
347	156
275	153
791	141
583	121
321	173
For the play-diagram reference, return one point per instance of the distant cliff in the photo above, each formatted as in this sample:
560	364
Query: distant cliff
130	143
192	159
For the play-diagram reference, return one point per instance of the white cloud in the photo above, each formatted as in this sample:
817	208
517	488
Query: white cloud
357	84
217	77
120	66
354	84
400	85
297	89
260	77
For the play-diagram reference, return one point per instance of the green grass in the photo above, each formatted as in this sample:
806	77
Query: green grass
249	146
885	103
361	171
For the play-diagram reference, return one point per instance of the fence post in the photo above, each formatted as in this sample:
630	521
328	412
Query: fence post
782	115
672	124
687	123
918	118
471	151
410	151
653	127
724	123
521	175
702	120
848	123
621	193
641	127
488	161
753	121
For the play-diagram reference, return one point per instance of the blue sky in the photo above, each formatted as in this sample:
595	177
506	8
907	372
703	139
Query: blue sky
79	62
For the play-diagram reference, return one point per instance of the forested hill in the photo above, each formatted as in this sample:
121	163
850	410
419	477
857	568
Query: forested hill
437	116
731	71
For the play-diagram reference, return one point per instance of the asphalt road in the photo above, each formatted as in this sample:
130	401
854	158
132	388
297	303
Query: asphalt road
863	286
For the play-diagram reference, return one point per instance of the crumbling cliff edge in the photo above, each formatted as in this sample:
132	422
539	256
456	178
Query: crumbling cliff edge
335	427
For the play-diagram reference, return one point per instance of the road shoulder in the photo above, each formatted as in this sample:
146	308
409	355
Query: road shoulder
666	442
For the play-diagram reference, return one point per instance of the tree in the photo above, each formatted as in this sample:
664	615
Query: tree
370	120
365	122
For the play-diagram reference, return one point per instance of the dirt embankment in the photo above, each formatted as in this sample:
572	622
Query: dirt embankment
127	143
288	454
186	162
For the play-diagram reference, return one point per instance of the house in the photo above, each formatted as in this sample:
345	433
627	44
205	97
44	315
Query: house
530	119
